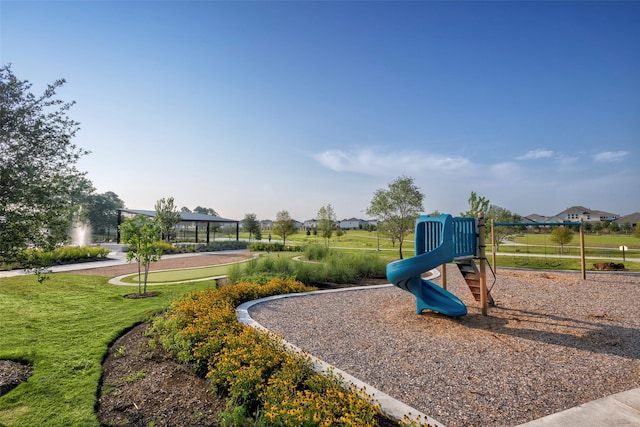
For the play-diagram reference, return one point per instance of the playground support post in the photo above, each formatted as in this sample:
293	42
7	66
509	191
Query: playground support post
493	247
483	261
582	257
443	276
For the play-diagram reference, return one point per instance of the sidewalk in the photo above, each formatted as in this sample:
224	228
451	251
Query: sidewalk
114	258
621	409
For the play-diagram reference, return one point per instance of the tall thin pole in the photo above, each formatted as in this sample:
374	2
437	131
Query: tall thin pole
483	262
443	276
493	246
583	265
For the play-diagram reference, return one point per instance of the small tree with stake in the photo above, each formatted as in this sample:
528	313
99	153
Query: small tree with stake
561	235
326	220
397	208
167	216
141	235
284	226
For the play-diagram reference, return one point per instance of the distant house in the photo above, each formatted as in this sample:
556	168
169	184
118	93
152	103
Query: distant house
266	224
577	213
351	224
632	219
310	224
372	222
535	218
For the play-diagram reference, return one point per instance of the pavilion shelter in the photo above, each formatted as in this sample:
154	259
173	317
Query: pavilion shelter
192	226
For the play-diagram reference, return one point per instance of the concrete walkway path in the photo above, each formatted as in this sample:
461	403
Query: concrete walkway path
619	410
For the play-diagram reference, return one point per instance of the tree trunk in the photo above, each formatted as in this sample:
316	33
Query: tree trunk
138	277
146	274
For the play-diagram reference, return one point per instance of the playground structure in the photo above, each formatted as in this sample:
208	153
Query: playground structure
443	239
440	240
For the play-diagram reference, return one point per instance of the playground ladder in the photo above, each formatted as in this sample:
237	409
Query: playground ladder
471	275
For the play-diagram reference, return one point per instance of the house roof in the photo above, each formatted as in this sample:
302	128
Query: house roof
184	216
535	218
581	210
575	210
633	218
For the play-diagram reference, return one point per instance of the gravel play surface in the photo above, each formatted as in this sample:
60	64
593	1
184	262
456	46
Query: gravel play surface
553	342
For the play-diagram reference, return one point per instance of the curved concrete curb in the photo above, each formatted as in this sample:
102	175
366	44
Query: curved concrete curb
118	280
390	406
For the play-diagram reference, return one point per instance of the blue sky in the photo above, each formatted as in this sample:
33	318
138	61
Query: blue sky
258	107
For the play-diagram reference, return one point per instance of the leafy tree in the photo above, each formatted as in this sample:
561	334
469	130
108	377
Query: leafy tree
102	212
185	209
326	221
205	211
597	227
477	204
561	235
626	227
209	211
80	197
251	224
614	227
167	216
499	214
636	231
37	166
142	235
397	208
283	226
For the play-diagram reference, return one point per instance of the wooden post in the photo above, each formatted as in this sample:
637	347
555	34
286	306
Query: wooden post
443	274
483	267
583	266
493	247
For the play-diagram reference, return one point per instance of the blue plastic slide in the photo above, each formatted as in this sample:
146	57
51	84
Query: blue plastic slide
434	247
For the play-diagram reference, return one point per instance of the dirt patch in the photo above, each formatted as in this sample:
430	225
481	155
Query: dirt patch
143	295
141	386
12	373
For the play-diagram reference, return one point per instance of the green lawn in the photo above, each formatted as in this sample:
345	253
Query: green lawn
63	328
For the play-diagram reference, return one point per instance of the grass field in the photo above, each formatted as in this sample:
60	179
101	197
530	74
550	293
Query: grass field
63	328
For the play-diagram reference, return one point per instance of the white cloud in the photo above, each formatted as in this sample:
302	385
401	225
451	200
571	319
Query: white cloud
372	162
536	154
506	171
610	156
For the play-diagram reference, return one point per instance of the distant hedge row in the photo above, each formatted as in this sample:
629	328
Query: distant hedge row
59	256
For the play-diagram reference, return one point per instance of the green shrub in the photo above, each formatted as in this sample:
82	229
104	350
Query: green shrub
166	247
222	245
331	266
273	247
30	258
316	252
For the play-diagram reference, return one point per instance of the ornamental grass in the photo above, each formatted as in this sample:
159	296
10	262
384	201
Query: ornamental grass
264	384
